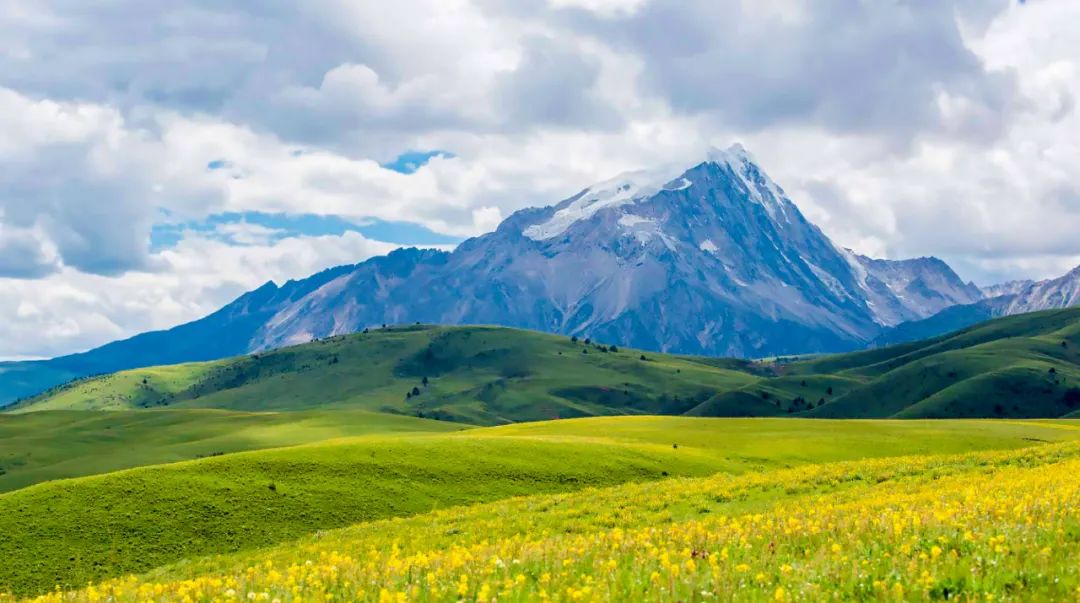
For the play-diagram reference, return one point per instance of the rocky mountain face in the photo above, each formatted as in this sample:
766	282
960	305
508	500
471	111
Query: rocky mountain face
1061	292
1015	297
714	259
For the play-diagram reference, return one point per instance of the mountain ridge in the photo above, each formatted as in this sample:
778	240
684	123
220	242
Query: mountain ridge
715	259
1014	297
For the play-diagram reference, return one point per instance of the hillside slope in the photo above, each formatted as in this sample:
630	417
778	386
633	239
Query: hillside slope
71	531
1019	366
43	446
480	375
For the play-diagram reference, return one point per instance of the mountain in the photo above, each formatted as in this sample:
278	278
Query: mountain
1015	297
714	259
1006	288
227	332
710	260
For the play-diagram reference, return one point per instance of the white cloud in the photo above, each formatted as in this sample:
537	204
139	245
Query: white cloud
71	310
901	128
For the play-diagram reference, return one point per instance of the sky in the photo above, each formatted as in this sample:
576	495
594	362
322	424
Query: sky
158	159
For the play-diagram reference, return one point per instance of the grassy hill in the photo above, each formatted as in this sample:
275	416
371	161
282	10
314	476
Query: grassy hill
42	446
482	375
1020	366
969	527
70	531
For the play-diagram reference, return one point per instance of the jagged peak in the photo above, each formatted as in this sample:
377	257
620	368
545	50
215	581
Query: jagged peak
631	187
734	155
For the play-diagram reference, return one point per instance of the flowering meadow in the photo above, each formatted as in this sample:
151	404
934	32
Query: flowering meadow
983	526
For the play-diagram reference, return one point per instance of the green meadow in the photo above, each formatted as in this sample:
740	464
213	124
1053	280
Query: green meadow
69	532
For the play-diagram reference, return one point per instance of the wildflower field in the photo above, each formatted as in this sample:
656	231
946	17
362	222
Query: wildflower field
1001	525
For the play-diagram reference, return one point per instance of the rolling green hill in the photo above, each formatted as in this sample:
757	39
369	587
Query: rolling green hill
973	527
70	531
42	446
481	375
1020	366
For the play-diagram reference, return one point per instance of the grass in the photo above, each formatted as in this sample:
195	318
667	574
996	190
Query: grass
43	446
990	525
481	375
1021	367
1015	367
72	531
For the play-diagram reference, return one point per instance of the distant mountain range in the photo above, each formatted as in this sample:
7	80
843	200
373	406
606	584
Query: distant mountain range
1016	297
712	259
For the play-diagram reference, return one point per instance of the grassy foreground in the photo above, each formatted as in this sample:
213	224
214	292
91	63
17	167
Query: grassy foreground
43	446
73	531
986	526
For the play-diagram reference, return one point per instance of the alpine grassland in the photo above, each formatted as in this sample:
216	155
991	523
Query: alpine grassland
71	532
44	446
1001	525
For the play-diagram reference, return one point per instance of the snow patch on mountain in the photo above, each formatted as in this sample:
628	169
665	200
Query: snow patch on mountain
759	187
631	220
621	190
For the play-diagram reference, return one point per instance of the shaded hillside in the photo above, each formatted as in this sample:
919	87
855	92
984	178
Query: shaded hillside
1020	366
483	375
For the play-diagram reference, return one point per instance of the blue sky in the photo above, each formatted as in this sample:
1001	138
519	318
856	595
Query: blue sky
280	226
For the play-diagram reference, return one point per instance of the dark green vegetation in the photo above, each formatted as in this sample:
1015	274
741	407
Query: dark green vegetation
1020	366
482	375
72	531
42	446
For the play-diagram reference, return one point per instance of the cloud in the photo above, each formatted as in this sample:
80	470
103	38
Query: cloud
127	129
72	174
71	310
24	254
896	69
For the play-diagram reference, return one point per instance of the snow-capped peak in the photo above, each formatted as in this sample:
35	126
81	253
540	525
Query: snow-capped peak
635	186
735	155
621	190
759	186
